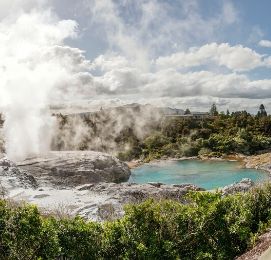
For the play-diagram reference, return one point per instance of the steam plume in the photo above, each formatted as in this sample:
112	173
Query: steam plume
31	70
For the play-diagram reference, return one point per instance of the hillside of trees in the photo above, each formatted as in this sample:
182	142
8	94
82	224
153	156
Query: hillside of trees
141	133
220	134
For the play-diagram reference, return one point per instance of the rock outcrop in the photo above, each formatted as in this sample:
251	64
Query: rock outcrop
132	192
118	195
13	177
260	161
99	201
260	249
244	185
72	168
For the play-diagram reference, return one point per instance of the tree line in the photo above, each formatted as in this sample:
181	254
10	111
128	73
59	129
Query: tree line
222	133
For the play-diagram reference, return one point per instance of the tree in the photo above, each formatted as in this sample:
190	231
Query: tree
187	112
228	112
213	110
262	111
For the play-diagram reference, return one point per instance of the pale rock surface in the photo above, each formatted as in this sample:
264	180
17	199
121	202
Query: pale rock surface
75	181
82	183
72	168
244	185
260	161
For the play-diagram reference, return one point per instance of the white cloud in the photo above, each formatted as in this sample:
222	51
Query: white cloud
204	83
72	58
118	33
121	81
109	62
236	58
12	8
144	29
230	13
265	43
131	82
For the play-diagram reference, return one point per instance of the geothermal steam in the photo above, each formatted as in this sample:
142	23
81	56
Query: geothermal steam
31	70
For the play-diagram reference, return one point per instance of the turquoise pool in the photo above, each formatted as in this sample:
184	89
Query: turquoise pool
206	174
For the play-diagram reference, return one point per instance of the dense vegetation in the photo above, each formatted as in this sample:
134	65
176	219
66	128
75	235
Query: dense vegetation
209	226
145	133
239	132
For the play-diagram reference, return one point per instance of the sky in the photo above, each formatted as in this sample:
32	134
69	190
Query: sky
177	53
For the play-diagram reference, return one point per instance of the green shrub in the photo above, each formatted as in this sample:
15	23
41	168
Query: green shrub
156	141
24	232
204	151
207	226
114	242
189	150
4	238
79	239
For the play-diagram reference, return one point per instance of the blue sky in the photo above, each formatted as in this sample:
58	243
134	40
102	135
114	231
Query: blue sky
168	53
252	22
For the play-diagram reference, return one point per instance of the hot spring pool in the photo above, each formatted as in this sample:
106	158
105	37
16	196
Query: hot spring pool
205	174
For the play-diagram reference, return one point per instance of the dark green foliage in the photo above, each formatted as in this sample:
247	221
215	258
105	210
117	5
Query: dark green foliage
187	112
239	132
228	112
24	234
261	112
213	110
4	216
207	226
78	239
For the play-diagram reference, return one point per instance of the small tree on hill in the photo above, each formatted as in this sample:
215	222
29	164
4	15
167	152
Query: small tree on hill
187	112
213	110
262	111
228	112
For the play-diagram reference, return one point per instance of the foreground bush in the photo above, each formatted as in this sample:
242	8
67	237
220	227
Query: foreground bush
208	226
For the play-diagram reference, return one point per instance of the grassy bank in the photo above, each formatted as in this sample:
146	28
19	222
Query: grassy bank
209	226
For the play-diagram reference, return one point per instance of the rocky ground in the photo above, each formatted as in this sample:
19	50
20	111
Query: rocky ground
257	252
86	183
261	161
